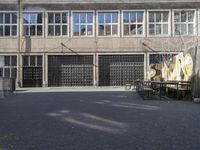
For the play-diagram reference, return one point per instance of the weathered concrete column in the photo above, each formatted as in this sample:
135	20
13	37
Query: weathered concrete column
45	70
96	68
19	56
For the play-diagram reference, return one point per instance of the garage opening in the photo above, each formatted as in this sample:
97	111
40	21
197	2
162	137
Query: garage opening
70	70
32	71
119	70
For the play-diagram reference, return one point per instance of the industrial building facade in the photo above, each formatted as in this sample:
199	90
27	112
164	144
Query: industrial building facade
91	43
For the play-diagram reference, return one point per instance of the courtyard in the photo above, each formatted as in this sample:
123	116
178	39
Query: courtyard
96	120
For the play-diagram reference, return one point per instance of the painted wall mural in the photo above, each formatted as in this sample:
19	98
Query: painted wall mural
179	67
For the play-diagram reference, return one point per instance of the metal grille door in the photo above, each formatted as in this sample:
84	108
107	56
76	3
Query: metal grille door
118	70
32	77
70	70
32	71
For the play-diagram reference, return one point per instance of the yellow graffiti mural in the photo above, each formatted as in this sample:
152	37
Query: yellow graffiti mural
180	68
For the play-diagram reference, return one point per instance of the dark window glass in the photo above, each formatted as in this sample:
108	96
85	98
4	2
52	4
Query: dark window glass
50	30
64	30
1	30
14	18
39	18
133	29
7	60
1	18
140	17
101	30
64	18
7	72
126	29
83	29
39	60
57	30
57	18
1	72
39	30
7	18
14	30
13	72
14	61
32	60
32	30
25	30
25	61
50	18
7	30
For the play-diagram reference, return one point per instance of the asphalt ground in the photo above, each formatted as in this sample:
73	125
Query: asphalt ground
98	120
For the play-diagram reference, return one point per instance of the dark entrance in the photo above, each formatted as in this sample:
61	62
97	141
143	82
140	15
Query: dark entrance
118	70
32	71
71	70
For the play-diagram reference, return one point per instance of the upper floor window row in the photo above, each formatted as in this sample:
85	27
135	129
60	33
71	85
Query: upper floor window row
105	23
133	23
184	22
158	23
32	24
8	24
58	23
83	23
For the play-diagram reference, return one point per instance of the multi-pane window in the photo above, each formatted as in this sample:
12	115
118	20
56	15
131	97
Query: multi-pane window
108	23
83	24
32	61
159	23
8	66
133	23
184	22
8	24
57	24
32	24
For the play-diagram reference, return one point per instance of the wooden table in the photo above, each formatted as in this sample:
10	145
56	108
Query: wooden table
162	83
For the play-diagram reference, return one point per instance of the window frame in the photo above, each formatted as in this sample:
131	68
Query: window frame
144	22
10	67
43	24
169	23
29	60
93	24
60	24
195	22
3	24
118	23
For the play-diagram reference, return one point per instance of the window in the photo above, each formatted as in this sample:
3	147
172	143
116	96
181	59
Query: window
184	22
32	61
8	66
108	23
57	24
159	23
8	24
133	23
32	24
83	24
